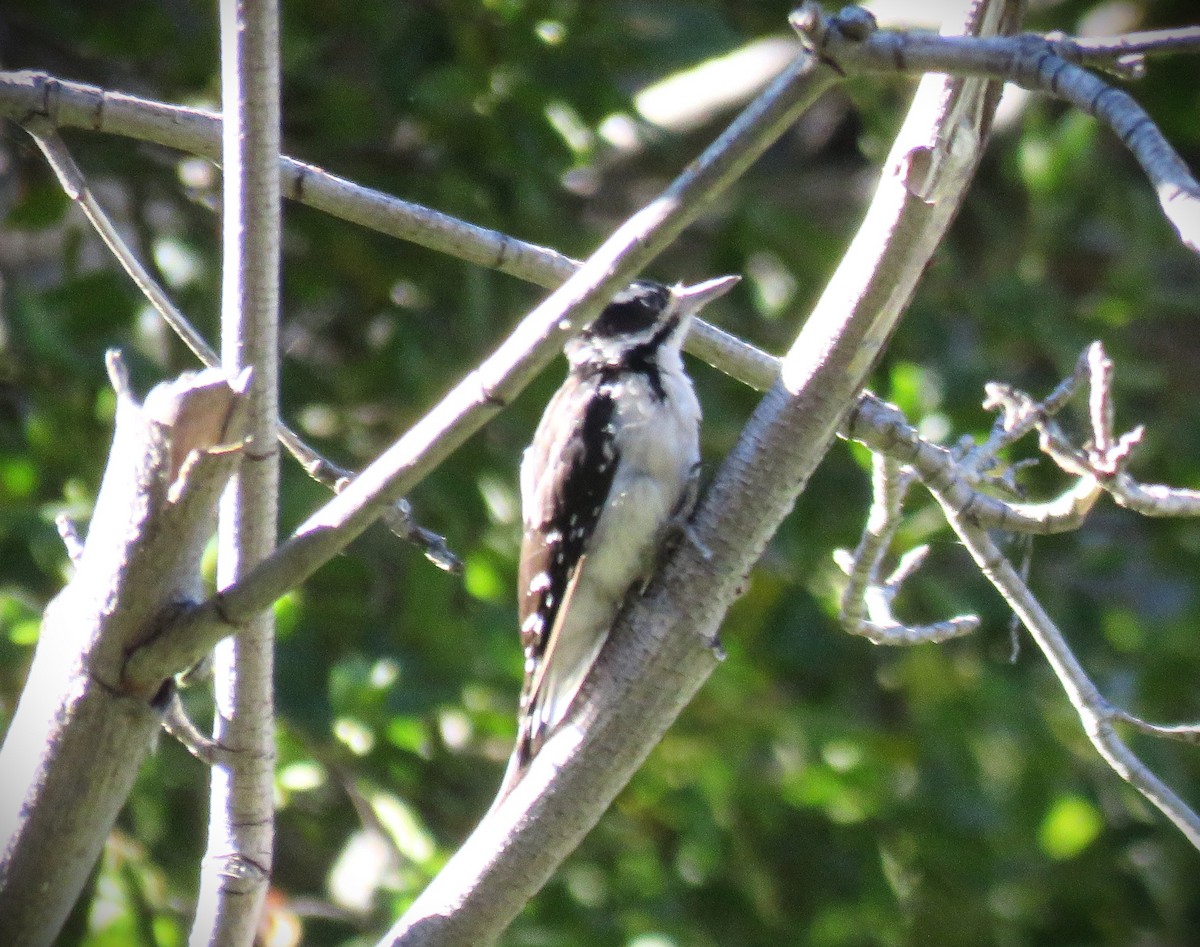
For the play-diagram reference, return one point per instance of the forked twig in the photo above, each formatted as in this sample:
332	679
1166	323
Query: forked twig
398	516
1100	467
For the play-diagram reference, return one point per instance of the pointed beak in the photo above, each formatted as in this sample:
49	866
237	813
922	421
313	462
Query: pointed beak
694	298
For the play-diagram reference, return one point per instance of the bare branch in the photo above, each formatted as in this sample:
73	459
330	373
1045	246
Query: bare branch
1031	62
1099	467
884	429
1020	414
483	392
179	725
169	459
1184	732
1100	405
802	372
75	186
236	869
1105	458
1125	56
1095	713
1153	499
867	600
26	95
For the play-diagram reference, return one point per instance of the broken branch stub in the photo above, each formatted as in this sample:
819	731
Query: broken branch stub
79	735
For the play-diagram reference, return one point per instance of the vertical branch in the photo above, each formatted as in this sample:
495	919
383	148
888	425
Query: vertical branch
237	863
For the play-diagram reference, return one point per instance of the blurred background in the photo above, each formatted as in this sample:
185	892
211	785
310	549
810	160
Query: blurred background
819	790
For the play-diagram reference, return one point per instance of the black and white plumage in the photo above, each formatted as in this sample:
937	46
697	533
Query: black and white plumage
611	464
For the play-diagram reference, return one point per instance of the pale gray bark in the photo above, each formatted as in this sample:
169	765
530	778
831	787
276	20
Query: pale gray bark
237	864
661	649
660	653
78	736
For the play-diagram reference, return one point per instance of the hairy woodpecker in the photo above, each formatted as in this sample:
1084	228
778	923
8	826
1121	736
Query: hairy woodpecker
612	463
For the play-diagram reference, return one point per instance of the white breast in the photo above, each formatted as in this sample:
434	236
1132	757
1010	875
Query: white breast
660	450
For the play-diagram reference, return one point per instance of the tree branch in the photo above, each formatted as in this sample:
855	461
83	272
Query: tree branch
26	97
659	652
1126	55
884	429
867	599
1100	468
1031	62
494	383
1095	713
169	459
236	869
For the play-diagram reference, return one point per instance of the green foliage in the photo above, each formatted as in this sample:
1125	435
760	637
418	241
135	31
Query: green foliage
818	791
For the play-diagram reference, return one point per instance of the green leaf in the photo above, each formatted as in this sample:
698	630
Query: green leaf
1071	825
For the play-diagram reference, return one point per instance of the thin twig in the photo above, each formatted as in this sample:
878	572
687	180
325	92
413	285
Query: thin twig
1125	56
1184	732
867	599
1019	415
1095	713
179	725
496	381
1106	457
398	517
1031	62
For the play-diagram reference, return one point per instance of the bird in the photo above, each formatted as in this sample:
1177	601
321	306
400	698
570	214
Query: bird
613	464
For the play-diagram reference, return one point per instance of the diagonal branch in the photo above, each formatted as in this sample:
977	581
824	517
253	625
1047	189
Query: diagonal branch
1031	62
25	95
660	651
491	386
1095	712
398	517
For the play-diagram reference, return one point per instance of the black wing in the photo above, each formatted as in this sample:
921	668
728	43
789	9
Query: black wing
566	484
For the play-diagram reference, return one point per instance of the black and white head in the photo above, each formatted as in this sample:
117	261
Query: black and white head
643	321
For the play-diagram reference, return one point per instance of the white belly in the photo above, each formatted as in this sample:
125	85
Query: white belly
659	455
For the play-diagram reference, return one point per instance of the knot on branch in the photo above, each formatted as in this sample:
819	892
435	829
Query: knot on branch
854	23
171	457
